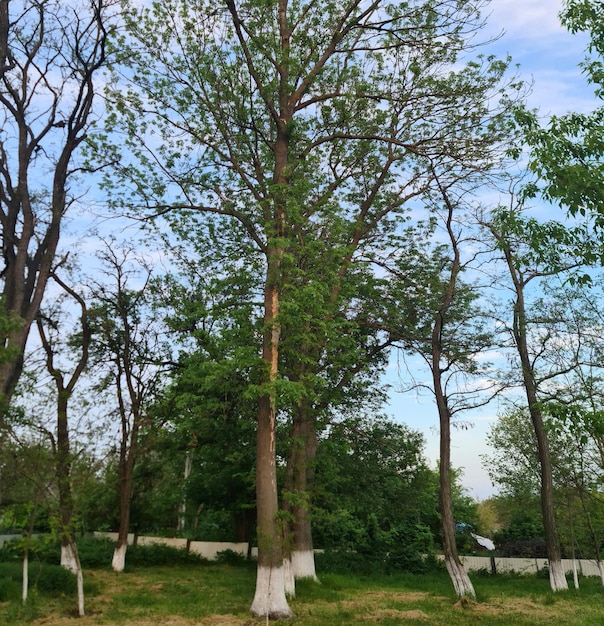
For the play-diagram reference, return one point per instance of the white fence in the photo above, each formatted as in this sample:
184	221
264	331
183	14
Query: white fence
206	549
585	567
209	550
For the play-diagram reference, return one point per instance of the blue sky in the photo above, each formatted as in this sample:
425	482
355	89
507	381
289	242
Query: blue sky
548	56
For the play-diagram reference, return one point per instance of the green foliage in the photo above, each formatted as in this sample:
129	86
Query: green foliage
375	500
156	554
568	154
95	551
44	548
230	557
48	579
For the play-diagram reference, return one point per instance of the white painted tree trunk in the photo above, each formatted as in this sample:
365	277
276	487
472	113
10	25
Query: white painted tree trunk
575	574
303	565
460	579
80	585
270	600
288	578
118	562
69	558
601	570
557	576
182	507
25	587
71	562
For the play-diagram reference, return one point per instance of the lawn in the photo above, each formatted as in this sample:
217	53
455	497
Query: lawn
220	595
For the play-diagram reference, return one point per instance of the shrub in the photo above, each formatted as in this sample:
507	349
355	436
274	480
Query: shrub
44	548
49	579
160	554
230	557
95	551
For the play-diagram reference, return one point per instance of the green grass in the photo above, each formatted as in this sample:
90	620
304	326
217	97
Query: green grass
220	594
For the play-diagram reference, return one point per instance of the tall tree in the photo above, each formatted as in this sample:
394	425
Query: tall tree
50	54
293	113
125	348
447	329
534	251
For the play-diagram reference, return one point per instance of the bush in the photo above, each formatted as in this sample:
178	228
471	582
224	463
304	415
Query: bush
49	579
95	551
44	548
10	588
526	549
230	557
160	554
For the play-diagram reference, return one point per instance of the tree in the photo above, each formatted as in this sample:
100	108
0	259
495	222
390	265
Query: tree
533	251
50	54
126	350
61	444
374	494
447	330
284	114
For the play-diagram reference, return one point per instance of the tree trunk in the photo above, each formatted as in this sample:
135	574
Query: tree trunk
557	576
269	599
118	562
460	579
300	476
25	583
182	507
63	473
71	561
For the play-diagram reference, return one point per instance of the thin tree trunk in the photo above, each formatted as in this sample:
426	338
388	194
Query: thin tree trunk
25	585
118	562
557	575
182	507
459	577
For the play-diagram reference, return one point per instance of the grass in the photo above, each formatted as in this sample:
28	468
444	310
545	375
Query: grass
220	595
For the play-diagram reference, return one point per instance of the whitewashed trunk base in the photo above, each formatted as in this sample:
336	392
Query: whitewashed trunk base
601	570
69	558
118	562
460	579
303	565
575	574
270	600
557	576
80	583
25	586
288	578
70	561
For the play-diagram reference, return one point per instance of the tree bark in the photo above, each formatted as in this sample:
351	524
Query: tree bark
557	576
118	562
460	579
300	477
270	598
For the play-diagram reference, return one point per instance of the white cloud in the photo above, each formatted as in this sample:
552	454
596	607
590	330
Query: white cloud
529	18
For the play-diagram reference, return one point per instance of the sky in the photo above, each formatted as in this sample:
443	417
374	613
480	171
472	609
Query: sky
548	57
